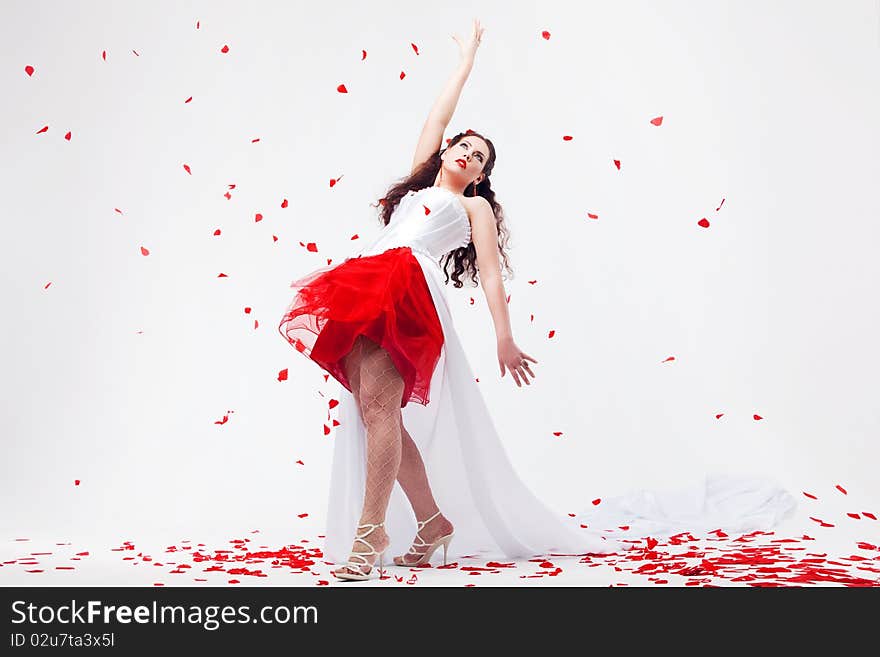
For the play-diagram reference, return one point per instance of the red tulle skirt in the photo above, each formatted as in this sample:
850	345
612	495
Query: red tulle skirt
384	297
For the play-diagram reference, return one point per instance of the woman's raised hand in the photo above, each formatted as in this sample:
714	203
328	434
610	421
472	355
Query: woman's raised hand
515	360
469	49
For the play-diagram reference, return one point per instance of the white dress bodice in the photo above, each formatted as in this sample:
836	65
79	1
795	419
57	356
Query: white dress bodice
431	221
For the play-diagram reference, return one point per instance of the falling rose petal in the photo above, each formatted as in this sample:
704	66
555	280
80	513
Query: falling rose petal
531	318
188	100
247	310
187	169
546	35
557	433
333	403
402	75
592	216
363	55
718	415
341	89
427	210
224	49
299	462
841	489
567	137
869	515
231	185
76	482
274	238
46	286
854	515
326	430
551	334
719	207
354	237
532	282
703	222
812	497
258	217
42	130
118	210
596	501
29	70
197	24
144	251
311	246
508	299
617	164
472	302
223	421
136	53
222	275
67	136
667	359
652	543
282	375
254	141
657	121
284	203
757	417
415	48
227	195
216	232
104	55
335	423
302	515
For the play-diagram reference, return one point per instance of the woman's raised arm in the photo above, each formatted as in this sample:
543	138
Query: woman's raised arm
430	141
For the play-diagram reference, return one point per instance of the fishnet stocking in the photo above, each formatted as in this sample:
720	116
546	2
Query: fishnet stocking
414	480
378	388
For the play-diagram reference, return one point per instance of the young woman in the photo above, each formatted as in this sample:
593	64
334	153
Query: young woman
380	324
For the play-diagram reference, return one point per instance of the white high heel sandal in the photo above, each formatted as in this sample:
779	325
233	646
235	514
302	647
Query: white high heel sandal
415	549
360	575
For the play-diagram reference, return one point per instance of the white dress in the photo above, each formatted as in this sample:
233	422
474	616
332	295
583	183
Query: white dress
475	485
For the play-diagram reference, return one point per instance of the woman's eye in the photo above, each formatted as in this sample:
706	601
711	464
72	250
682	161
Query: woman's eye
478	155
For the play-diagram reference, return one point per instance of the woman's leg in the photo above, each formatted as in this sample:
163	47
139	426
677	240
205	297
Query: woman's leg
378	389
413	480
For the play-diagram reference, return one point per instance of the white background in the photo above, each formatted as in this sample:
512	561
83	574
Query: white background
117	372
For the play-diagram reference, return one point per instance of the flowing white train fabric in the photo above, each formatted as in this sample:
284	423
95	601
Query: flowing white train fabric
473	481
476	486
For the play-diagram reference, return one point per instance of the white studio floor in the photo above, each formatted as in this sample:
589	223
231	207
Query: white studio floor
803	551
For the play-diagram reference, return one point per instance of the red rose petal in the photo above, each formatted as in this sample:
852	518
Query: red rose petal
341	89
29	70
841	489
813	497
657	121
703	222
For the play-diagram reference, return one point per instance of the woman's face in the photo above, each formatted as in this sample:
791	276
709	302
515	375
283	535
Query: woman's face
467	156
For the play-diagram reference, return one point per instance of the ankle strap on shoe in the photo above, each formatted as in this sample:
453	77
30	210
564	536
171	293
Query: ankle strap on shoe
371	526
422	523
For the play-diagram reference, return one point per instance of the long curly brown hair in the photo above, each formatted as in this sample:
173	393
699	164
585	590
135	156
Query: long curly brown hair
465	257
